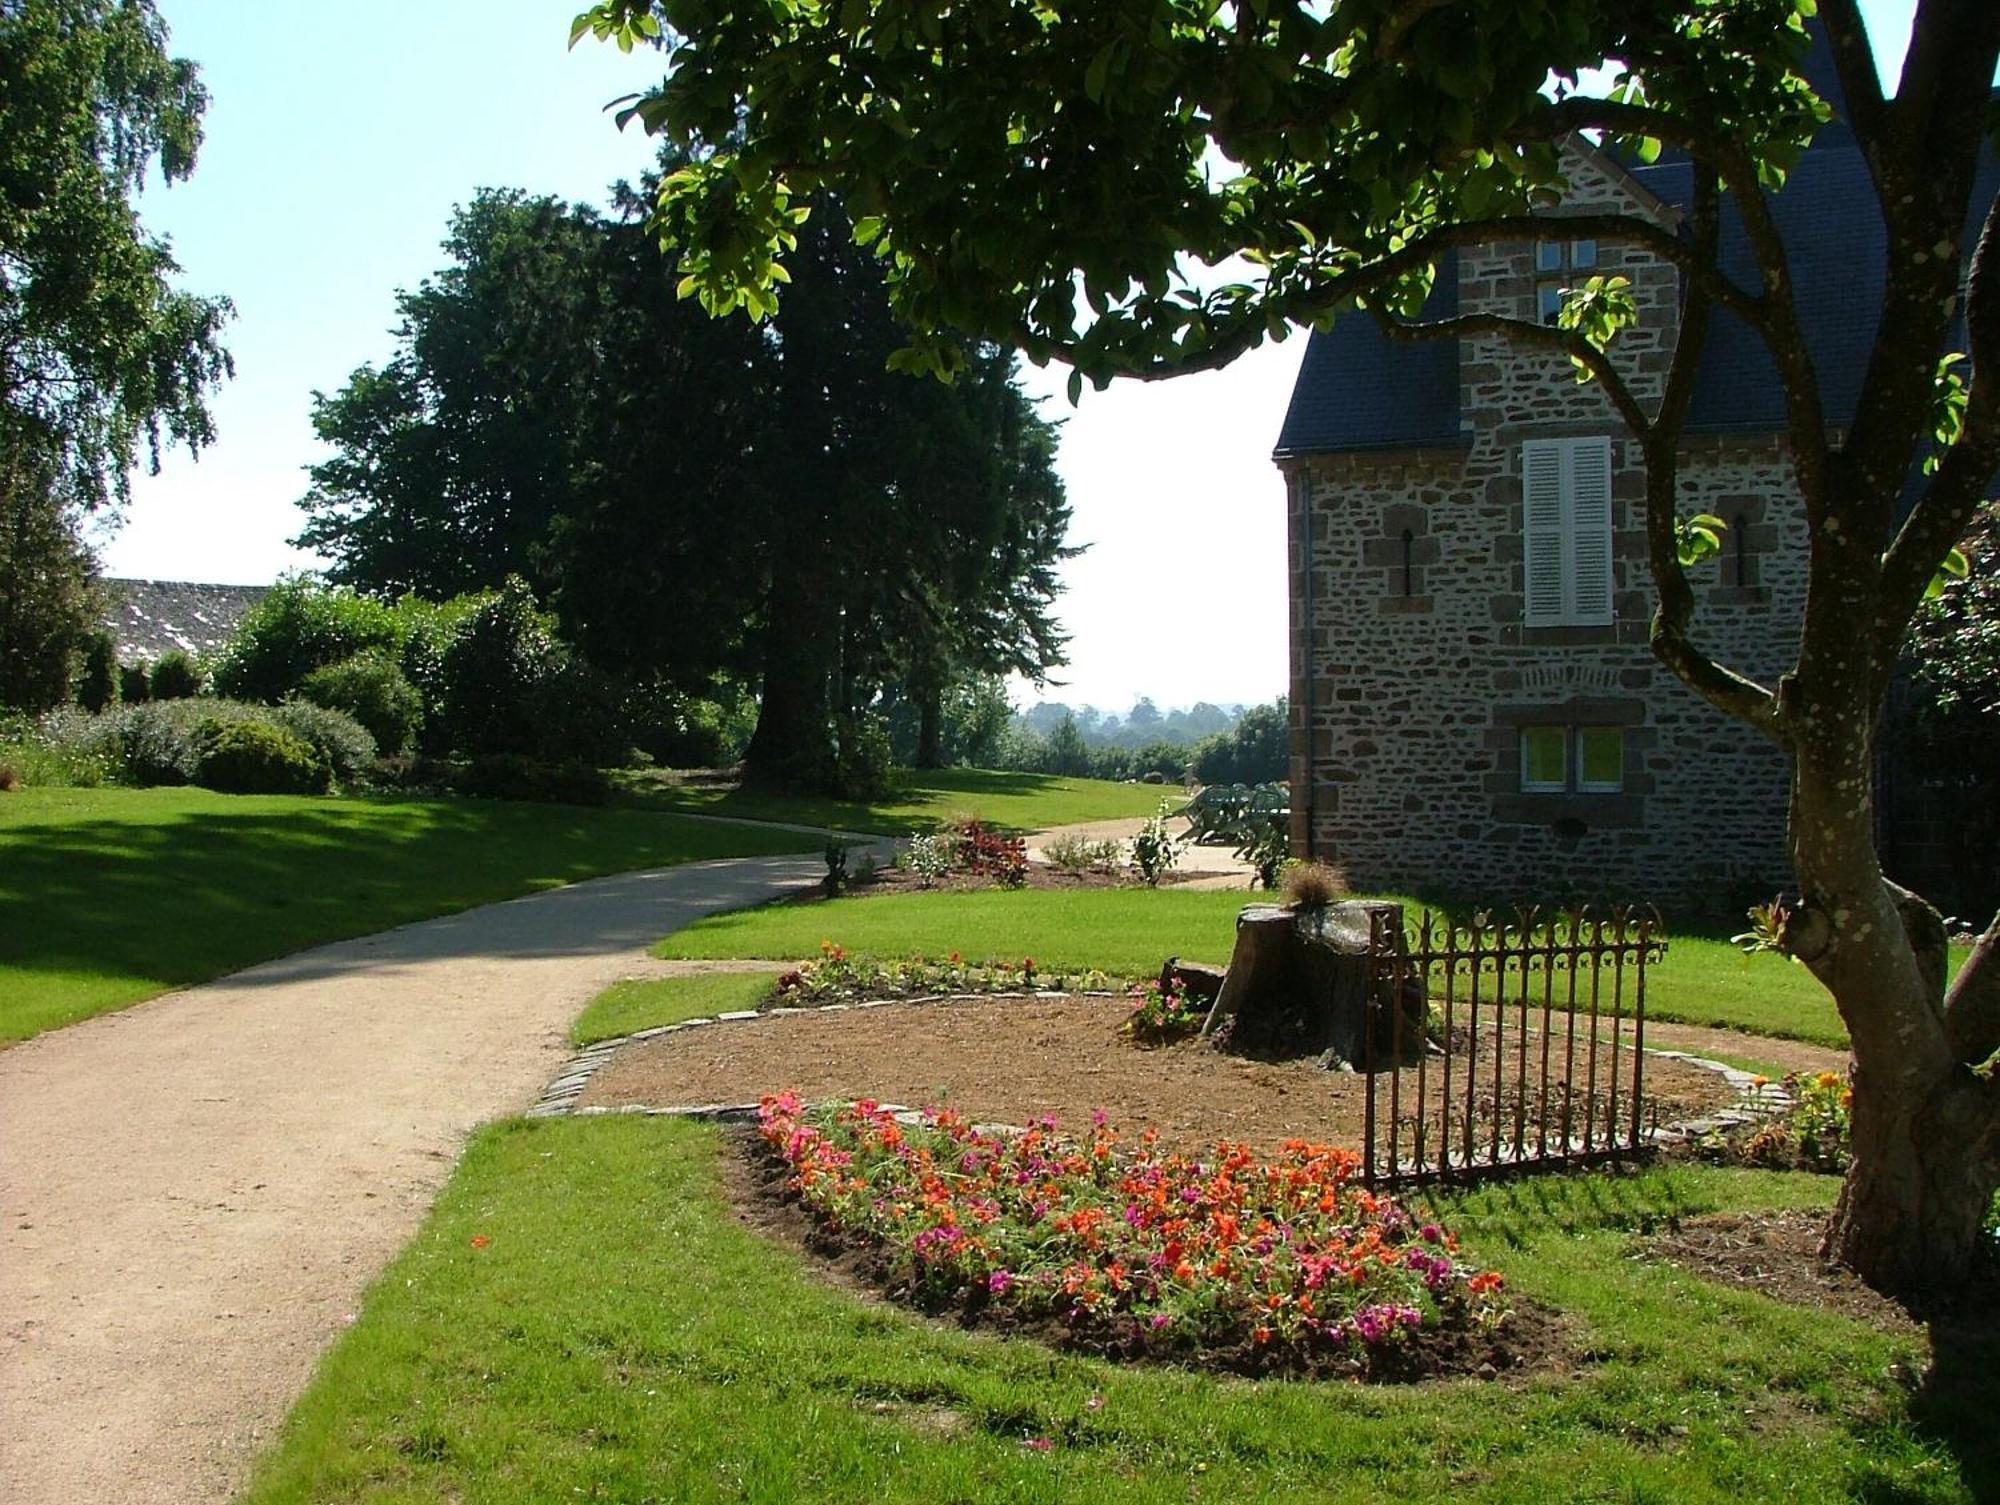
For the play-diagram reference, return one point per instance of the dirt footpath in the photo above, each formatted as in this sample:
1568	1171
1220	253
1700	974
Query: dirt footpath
195	1192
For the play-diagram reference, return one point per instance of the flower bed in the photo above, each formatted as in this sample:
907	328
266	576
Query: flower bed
1280	1264
834	976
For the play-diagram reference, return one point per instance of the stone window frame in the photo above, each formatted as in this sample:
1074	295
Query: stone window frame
1570	566
1571	809
1552	275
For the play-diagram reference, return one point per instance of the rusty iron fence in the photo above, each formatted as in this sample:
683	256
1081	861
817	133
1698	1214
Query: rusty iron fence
1498	1046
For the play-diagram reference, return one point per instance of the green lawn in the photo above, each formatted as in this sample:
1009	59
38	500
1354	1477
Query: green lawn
641	1003
1016	801
1702	981
583	1319
112	895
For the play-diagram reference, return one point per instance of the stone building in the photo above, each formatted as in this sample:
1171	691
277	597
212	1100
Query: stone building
1474	704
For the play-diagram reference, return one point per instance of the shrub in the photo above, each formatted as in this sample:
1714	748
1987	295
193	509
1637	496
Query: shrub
1264	843
296	628
97	686
56	751
491	672
175	676
339	741
258	757
1154	850
133	686
1312	885
514	776
152	743
930	858
371	688
9	779
1815	1134
1079	854
988	854
863	763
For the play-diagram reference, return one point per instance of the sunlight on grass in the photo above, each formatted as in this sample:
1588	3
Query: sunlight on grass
582	1318
641	1003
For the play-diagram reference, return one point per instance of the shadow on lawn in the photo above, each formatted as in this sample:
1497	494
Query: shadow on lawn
192	894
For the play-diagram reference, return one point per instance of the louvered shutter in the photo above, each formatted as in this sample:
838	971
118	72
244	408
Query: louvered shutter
1542	531
1589	532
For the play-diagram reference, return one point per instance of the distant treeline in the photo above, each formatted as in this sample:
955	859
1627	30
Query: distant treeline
1208	743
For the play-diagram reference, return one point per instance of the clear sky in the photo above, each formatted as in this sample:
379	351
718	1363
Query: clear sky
338	139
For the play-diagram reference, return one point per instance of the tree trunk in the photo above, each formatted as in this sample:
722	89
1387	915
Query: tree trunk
792	747
930	720
1923	1125
1300	983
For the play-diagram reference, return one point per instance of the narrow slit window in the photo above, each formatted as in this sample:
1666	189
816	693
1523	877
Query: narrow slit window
1409	577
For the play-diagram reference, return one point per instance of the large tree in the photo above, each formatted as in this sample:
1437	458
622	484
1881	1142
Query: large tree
1051	175
696	496
97	348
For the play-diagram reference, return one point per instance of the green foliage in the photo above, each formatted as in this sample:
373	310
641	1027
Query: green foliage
97	687
257	757
337	739
864	760
515	776
299	627
133	684
494	674
46	599
1698	537
53	751
373	689
98	348
1155	852
175	676
152	743
1257	750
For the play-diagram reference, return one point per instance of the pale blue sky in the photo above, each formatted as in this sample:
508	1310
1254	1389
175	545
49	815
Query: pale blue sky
340	136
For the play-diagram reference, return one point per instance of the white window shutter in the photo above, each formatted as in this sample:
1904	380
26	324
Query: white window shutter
1589	532
1542	532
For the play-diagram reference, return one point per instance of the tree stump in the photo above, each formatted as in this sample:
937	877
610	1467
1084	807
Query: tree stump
1299	984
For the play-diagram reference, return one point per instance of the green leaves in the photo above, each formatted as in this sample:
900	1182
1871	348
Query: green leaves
1698	537
1948	397
1597	308
1954	566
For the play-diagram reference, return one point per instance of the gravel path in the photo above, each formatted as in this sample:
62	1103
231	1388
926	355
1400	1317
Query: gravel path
195	1192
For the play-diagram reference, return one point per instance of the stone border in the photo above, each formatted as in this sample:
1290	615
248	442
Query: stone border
1754	1100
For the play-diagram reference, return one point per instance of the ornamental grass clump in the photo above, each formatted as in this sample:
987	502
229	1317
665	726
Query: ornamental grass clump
1285	1263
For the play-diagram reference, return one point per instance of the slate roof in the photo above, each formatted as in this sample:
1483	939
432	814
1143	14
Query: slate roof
150	617
1358	390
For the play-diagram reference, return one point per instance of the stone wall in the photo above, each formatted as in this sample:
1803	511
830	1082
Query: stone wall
1412	673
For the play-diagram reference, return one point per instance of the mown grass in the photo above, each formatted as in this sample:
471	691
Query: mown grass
1013	801
583	1318
112	895
641	1003
1702	981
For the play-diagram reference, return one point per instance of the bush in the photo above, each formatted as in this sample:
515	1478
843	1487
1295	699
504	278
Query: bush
57	751
258	757
133	686
986	853
513	776
863	763
97	687
296	628
9	779
1154	851
491	672
152	743
373	690
1079	854
175	676
335	737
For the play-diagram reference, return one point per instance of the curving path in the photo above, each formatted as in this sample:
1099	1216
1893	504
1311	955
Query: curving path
195	1191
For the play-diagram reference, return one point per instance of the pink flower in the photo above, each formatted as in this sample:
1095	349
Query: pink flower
999	1282
1039	1444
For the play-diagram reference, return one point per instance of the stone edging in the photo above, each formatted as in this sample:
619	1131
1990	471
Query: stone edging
1754	1100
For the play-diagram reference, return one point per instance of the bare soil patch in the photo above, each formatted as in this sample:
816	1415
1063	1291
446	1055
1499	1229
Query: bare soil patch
1533	1338
1008	1060
1777	1253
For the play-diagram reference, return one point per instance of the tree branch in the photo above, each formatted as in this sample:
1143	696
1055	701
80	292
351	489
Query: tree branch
1563	341
1972	1006
1860	84
1946	508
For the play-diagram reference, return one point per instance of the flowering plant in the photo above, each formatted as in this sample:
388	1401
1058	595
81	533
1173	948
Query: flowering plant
1161	1014
1289	1260
1815	1133
835	976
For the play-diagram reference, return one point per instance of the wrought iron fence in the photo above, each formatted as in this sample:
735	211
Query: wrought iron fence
1504	1045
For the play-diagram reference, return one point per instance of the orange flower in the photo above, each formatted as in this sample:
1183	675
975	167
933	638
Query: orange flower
480	1241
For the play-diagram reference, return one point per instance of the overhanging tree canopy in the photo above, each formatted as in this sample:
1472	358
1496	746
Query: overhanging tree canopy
1050	173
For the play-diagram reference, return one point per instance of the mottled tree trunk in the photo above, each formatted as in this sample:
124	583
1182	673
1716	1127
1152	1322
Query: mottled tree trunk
930	726
792	747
